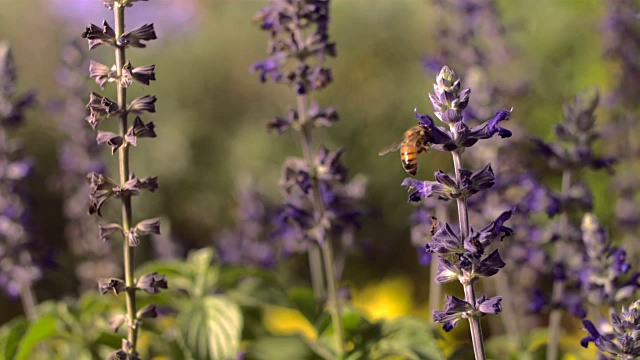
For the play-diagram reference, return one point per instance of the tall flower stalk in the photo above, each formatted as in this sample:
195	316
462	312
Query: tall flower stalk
621	46
319	201
461	252
19	268
571	154
102	188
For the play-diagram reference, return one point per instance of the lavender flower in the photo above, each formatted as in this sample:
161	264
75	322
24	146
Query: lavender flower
621	32
605	277
102	188
248	243
622	340
78	155
571	154
472	36
579	133
461	250
319	201
19	268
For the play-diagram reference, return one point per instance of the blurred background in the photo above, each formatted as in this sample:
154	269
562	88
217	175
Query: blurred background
211	115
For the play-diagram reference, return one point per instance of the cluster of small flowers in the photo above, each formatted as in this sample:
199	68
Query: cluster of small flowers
248	243
18	266
77	156
572	154
461	252
619	339
101	187
319	196
287	21
605	277
622	46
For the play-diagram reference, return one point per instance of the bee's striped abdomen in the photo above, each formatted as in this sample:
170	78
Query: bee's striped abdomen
409	157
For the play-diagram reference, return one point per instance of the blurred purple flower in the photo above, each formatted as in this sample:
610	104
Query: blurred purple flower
248	243
21	256
180	16
604	274
288	21
579	134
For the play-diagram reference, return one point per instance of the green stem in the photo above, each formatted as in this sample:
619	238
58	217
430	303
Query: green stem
435	288
123	164
317	272
315	257
334	301
557	293
28	299
469	290
324	243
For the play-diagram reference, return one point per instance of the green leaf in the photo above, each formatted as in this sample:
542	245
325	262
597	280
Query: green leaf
464	352
110	339
196	275
177	272
407	337
12	333
39	330
204	275
305	302
210	328
280	347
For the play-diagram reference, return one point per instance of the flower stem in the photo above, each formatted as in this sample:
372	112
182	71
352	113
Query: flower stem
28	298
123	163
557	293
474	323
324	243
435	288
315	258
334	301
469	291
317	275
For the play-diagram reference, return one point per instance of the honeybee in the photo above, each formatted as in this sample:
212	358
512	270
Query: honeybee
416	140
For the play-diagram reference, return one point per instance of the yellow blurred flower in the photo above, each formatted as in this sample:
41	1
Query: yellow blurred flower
389	299
283	321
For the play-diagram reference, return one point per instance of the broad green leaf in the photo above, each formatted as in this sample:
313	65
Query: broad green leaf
410	334
37	331
178	273
210	328
196	274
257	292
305	302
280	347
204	275
15	330
465	352
110	339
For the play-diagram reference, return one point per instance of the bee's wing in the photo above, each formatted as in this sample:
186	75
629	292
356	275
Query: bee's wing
391	147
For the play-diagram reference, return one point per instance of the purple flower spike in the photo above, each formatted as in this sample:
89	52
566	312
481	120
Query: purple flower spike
619	339
22	257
